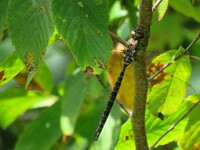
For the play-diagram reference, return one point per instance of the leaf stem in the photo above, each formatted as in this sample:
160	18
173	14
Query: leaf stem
195	57
174	125
176	58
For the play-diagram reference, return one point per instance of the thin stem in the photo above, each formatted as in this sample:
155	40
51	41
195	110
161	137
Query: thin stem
174	125
157	3
102	84
176	58
118	39
195	57
106	89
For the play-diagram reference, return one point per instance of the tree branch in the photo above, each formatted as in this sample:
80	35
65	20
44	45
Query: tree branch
176	58
174	125
141	84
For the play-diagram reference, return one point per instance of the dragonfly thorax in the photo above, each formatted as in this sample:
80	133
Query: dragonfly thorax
131	52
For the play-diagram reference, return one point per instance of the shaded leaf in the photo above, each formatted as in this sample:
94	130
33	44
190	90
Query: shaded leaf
44	78
89	120
30	27
3	12
9	68
74	92
168	89
43	132
42	81
182	5
85	32
171	23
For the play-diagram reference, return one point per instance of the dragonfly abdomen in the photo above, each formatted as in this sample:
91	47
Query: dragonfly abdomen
110	103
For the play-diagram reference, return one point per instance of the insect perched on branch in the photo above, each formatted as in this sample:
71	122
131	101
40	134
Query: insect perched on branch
129	56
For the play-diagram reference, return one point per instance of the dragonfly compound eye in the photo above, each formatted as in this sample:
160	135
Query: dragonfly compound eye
137	34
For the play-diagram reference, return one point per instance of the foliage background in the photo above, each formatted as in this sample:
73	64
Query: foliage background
61	100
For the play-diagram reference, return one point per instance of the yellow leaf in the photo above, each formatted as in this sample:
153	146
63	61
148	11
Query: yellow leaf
115	65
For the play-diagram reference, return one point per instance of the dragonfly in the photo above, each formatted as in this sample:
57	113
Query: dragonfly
129	56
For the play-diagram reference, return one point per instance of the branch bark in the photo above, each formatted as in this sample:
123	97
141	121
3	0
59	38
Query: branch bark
141	84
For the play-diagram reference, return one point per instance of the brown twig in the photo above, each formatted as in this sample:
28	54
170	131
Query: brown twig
118	39
174	125
195	57
176	58
140	78
106	89
157	3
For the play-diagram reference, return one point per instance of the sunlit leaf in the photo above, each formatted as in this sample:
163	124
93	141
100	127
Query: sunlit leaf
162	8
155	127
13	107
191	139
85	32
43	132
116	11
168	89
9	68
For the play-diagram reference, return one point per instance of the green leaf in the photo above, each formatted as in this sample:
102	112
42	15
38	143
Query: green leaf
178	53
43	132
162	8
183	5
79	143
94	88
89	120
12	107
83	25
44	78
29	78
3	12
9	68
191	139
30	27
172	23
116	11
168	89
155	127
74	92
16	92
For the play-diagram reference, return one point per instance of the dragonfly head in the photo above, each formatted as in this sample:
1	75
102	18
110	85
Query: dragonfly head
137	34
